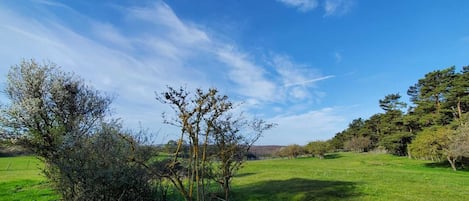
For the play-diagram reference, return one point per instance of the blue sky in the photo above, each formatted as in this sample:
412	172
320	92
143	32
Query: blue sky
311	66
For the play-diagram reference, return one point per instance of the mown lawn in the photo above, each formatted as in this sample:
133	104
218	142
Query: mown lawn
342	176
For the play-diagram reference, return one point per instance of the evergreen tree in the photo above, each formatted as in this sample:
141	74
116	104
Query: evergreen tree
429	95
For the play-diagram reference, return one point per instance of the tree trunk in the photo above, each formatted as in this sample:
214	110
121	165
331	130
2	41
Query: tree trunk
226	187
459	111
437	103
452	161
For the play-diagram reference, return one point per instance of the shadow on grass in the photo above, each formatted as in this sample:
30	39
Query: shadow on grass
296	189
446	165
245	174
332	156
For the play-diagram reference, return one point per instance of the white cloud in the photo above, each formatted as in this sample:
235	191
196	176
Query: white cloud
289	71
312	125
298	81
134	64
299	93
301	5
108	32
161	15
337	7
247	75
114	70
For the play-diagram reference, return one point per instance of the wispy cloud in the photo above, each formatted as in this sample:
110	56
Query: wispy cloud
316	125
289	71
49	3
107	32
103	62
337	7
164	51
298	80
162	16
337	57
301	5
331	7
249	77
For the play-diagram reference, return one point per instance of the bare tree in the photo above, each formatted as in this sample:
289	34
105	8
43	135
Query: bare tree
192	113
206	121
232	146
358	144
458	145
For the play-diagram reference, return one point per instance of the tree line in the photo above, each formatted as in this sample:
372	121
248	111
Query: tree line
433	126
88	155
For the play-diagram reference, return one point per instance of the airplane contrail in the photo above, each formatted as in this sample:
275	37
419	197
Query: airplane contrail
309	81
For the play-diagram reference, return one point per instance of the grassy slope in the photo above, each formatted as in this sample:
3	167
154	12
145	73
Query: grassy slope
20	179
344	176
348	176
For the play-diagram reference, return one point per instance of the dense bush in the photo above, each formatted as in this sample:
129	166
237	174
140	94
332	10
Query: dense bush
102	166
397	143
318	148
60	119
430	144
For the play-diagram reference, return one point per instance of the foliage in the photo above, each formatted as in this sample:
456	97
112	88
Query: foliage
9	149
263	151
391	102
440	143
458	147
102	167
397	143
291	151
440	98
458	95
49	108
358	144
318	148
170	146
429	94
431	144
61	120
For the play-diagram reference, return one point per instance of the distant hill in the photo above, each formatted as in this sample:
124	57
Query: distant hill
265	151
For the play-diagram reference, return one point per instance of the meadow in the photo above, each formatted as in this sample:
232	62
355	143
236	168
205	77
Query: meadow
21	179
341	176
350	176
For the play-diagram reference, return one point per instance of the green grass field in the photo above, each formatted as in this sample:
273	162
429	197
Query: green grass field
21	179
350	176
342	176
